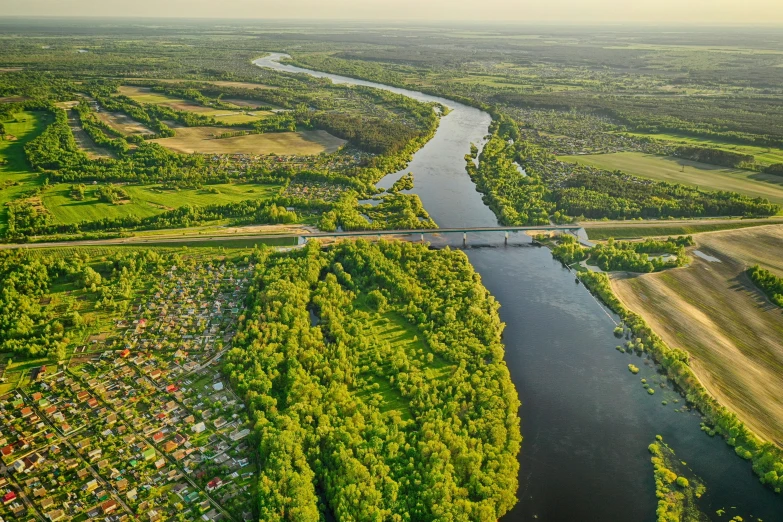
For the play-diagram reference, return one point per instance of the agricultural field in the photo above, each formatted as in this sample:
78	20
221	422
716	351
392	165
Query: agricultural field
202	140
712	310
601	230
686	172
146	200
146	95
122	123
763	155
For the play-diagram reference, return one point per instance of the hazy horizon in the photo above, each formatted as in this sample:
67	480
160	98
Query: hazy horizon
696	12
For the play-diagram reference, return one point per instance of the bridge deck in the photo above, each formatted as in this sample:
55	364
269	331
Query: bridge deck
543	228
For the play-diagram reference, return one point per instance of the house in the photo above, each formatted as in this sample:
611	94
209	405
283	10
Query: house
179	439
158	436
160	463
54	516
214	484
109	506
26	412
218	386
9	497
18	466
239	434
169	446
198	428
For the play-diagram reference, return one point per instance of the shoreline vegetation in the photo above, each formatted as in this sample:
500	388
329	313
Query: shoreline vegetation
766	457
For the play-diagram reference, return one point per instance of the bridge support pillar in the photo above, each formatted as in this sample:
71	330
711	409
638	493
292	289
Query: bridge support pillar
464	239
506	241
422	238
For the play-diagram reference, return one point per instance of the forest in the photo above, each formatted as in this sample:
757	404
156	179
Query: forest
359	425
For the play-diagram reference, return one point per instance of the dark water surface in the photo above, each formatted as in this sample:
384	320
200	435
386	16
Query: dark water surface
586	420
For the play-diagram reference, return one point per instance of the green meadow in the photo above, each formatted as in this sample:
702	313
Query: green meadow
147	200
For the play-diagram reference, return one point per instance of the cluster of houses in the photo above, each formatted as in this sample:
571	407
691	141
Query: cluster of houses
145	429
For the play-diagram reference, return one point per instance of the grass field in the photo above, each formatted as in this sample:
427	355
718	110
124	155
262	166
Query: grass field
766	155
733	333
701	175
145	201
16	177
200	139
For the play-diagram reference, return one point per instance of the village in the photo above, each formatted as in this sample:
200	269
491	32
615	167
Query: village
139	424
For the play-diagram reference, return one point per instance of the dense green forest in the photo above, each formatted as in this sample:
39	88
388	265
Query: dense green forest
375	373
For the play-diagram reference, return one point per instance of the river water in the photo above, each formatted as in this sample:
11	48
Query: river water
586	420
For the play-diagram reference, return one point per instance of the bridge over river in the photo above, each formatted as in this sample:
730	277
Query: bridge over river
576	230
300	237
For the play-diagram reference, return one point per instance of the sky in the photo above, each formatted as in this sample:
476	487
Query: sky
566	11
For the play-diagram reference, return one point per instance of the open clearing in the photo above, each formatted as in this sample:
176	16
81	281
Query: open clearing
766	155
147	200
123	123
701	175
713	310
201	139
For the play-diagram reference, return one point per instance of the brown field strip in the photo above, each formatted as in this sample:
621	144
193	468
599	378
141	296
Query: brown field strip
713	310
84	140
122	123
201	139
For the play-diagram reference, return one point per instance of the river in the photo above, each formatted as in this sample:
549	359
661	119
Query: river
586	420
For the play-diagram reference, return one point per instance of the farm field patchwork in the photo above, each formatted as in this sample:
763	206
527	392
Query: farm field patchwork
713	310
201	139
701	175
146	200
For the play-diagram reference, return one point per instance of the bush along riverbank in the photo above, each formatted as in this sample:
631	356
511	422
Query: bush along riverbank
677	494
766	458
